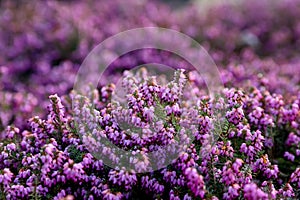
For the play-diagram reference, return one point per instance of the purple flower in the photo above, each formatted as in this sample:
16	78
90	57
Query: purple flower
6	176
289	156
295	177
123	178
286	191
195	182
251	191
235	116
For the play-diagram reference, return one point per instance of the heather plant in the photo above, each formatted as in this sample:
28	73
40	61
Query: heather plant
255	156
41	40
245	144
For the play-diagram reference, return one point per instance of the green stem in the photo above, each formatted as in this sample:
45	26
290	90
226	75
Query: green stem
2	193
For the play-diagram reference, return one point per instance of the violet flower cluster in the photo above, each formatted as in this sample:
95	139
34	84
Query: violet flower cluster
41	41
50	149
248	159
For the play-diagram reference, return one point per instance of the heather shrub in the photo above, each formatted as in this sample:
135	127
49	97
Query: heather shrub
254	156
174	140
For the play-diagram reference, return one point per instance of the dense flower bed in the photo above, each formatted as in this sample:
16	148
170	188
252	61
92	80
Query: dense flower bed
247	160
256	150
54	37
